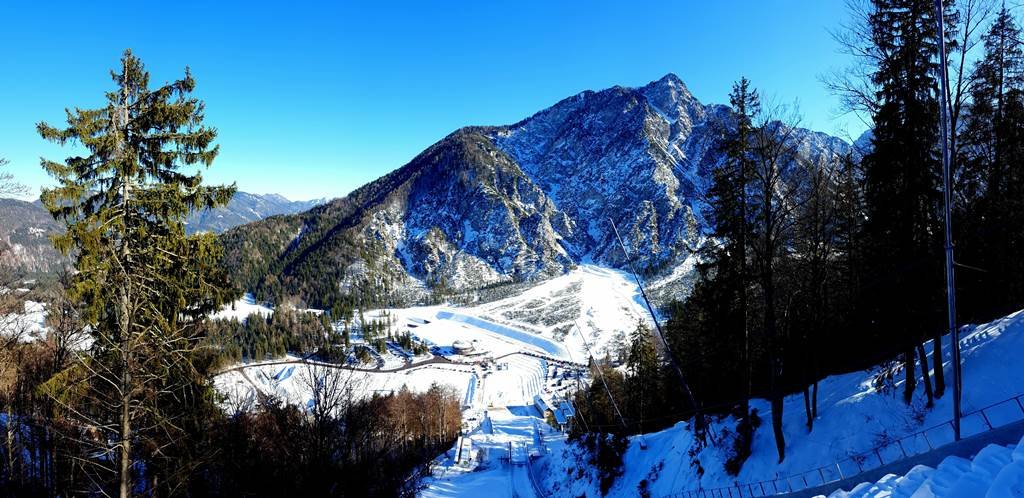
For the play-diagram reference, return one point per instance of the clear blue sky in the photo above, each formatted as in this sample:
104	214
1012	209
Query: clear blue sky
314	99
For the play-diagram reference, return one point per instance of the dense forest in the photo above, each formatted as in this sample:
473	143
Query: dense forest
829	266
260	337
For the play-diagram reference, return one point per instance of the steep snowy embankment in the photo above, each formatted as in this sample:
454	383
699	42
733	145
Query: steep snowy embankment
852	417
994	472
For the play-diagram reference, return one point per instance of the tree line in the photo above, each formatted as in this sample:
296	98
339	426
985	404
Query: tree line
260	337
827	263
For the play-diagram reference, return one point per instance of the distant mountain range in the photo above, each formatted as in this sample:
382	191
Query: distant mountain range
246	208
25	226
499	204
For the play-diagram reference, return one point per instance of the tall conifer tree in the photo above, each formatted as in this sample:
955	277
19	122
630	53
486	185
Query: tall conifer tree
143	282
902	181
994	179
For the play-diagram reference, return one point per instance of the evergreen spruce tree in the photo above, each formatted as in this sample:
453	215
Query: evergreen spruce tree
644	376
711	329
994	177
902	180
144	284
731	206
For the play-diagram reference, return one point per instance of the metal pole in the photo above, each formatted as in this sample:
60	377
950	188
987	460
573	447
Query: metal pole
954	335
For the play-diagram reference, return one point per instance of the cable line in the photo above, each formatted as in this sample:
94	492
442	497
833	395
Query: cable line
600	375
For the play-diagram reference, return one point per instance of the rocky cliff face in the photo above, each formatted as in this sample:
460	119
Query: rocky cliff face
489	205
25	229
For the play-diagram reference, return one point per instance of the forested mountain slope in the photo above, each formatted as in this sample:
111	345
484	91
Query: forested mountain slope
492	205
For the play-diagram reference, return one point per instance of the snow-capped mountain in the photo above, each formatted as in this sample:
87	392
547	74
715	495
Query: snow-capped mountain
489	205
25	227
245	208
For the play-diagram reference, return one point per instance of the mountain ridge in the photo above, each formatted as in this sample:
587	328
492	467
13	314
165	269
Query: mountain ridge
25	227
490	205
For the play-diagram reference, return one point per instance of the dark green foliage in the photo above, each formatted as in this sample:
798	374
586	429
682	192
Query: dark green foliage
142	284
902	299
992	181
643	383
267	337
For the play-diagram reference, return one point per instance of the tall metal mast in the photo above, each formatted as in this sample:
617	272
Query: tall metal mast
954	335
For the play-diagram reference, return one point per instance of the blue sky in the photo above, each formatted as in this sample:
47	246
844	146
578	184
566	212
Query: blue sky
314	99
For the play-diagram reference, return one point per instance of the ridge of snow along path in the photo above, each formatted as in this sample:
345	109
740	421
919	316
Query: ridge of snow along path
995	472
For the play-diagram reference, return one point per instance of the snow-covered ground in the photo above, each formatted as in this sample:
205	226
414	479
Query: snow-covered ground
498	458
604	303
29	325
291	379
852	418
995	472
242	309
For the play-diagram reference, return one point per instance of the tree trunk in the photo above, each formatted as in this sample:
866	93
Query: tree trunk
940	377
911	377
814	400
780	437
925	378
807	408
125	430
125	443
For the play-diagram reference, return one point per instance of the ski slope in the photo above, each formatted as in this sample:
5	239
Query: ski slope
502	445
589	306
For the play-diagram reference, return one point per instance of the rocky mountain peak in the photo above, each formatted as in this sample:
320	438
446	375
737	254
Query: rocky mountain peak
496	204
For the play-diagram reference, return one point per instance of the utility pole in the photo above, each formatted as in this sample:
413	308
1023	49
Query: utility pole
954	335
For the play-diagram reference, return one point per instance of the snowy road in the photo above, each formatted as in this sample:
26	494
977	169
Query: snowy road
520	483
504	441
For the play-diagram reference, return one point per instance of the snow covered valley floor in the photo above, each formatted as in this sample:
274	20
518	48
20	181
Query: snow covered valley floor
853	419
534	345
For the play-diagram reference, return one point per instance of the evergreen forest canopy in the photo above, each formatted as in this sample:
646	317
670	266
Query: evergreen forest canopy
843	269
118	398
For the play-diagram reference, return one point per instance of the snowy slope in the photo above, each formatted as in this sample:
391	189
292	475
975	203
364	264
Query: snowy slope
292	382
602	303
853	418
995	472
242	309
